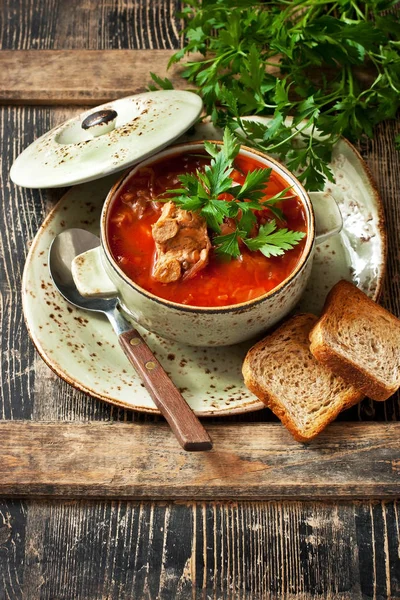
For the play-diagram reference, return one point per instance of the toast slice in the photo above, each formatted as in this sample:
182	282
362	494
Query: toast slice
359	340
303	393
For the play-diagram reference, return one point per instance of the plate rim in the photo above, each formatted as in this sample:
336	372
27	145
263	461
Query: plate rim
381	222
246	407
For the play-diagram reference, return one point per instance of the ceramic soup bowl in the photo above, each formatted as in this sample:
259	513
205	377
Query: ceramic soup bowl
97	273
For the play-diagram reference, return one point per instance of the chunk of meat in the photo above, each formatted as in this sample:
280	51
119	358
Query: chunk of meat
182	244
141	198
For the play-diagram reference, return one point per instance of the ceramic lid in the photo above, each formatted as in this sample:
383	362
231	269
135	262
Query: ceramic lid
106	139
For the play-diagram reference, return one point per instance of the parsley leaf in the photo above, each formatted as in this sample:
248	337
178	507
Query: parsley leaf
231	147
247	221
163	84
228	244
274	242
201	192
214	213
333	67
217	175
254	185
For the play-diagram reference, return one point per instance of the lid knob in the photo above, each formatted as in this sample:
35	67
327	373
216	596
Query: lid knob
100	122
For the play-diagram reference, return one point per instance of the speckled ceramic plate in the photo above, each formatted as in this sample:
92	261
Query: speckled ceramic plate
82	348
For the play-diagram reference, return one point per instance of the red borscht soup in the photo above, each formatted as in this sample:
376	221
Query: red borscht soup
221	282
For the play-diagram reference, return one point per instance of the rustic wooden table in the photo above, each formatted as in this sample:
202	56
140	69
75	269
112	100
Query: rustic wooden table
88	549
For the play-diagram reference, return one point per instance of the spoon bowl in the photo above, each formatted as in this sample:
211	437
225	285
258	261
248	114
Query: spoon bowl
64	248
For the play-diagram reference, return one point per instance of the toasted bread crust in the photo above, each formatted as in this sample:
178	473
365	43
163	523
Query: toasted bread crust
341	365
354	375
350	398
271	403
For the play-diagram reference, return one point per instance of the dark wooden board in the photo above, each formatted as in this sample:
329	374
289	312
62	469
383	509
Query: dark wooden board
29	388
103	75
89	24
92	550
183	551
80	76
249	461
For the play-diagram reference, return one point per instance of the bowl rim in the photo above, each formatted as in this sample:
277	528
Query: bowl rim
230	308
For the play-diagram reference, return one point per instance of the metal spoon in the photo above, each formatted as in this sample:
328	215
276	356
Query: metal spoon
182	420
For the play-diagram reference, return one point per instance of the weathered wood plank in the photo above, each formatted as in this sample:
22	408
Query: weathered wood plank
383	159
225	551
249	461
28	388
12	548
21	215
113	550
89	24
85	77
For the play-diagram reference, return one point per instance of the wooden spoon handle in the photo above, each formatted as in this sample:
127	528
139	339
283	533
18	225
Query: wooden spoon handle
172	405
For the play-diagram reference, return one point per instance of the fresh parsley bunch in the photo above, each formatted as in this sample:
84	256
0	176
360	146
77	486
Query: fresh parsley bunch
201	192
332	66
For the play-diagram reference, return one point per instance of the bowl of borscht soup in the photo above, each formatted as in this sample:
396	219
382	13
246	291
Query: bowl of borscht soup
206	243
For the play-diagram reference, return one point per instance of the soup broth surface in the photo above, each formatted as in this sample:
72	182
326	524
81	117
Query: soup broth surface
222	282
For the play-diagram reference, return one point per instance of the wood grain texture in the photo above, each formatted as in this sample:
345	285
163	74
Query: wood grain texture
103	75
161	551
24	377
12	548
83	77
174	551
383	159
89	24
249	461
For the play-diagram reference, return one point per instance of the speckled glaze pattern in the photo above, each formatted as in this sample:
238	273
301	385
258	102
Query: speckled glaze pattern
213	327
82	348
201	326
69	154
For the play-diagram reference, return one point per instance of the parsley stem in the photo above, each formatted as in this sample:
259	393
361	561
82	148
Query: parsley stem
289	137
358	11
350	81
239	39
391	82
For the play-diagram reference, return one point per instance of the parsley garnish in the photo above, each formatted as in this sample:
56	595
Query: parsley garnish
272	241
333	66
201	192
